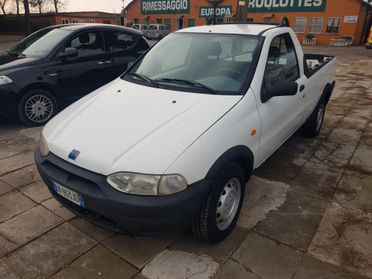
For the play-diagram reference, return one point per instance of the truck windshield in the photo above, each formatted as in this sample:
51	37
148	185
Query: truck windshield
45	44
197	62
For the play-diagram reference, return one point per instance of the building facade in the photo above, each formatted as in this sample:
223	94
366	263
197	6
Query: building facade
178	14
87	17
14	24
323	20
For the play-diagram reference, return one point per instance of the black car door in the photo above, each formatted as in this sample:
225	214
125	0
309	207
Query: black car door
124	47
82	74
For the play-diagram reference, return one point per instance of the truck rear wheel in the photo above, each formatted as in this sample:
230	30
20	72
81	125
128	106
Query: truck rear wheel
221	209
314	124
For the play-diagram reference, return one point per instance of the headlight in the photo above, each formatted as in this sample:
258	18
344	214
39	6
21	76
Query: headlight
5	80
43	146
144	184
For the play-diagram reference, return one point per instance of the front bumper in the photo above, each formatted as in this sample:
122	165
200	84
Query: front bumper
120	212
8	100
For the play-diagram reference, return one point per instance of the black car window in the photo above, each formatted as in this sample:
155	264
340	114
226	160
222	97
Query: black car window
47	43
28	41
88	44
119	41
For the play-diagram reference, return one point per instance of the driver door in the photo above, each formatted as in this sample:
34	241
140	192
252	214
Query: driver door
280	116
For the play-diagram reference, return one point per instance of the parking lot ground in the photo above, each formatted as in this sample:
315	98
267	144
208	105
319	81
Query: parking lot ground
307	212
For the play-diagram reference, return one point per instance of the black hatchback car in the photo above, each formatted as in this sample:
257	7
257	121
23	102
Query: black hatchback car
57	65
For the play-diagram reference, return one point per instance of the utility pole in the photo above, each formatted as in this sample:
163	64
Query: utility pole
26	6
241	13
215	4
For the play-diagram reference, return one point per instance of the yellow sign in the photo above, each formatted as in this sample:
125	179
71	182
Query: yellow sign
370	37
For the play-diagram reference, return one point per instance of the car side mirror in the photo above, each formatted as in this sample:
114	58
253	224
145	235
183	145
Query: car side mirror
69	52
280	88
130	64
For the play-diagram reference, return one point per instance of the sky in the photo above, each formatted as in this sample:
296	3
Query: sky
95	5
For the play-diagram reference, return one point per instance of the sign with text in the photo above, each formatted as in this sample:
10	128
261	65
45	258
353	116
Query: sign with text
221	11
286	5
165	6
214	1
351	19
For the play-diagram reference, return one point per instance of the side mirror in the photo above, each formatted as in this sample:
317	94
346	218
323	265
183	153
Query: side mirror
69	52
281	88
130	64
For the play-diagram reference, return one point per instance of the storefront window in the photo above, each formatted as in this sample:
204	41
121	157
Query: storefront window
168	22
333	25
180	23
191	22
300	24
159	21
316	25
135	21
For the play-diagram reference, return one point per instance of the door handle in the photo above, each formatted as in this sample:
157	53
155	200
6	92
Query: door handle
302	88
104	62
53	73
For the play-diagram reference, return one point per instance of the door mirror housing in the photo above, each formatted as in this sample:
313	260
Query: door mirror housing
69	52
281	88
130	64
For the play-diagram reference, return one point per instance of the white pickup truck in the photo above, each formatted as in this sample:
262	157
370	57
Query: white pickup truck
174	140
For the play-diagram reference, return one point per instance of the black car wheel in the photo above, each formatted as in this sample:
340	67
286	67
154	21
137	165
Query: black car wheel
220	211
37	107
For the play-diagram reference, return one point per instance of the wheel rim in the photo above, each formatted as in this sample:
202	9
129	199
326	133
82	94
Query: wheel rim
228	204
39	108
320	117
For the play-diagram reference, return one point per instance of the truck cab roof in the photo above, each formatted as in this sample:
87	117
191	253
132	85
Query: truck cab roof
240	29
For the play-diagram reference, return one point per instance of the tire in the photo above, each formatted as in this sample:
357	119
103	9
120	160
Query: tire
314	123
37	107
208	226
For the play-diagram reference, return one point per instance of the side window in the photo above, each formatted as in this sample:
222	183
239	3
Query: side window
119	41
88	44
282	61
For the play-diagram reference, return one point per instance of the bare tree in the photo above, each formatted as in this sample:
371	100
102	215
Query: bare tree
17	2
37	4
26	6
57	5
2	5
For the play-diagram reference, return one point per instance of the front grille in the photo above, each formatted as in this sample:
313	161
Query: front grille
70	174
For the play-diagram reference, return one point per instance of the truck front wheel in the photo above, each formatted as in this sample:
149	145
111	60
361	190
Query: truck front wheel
221	209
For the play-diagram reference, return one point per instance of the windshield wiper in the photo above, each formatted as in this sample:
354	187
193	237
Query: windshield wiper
189	82
145	78
12	53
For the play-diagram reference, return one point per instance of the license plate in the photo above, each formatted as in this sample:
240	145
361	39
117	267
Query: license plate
68	194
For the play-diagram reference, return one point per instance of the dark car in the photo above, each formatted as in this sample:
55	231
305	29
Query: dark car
57	65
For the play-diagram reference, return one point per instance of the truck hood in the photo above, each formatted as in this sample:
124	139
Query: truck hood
129	127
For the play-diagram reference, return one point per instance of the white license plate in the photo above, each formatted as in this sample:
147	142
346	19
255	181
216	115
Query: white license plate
68	194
